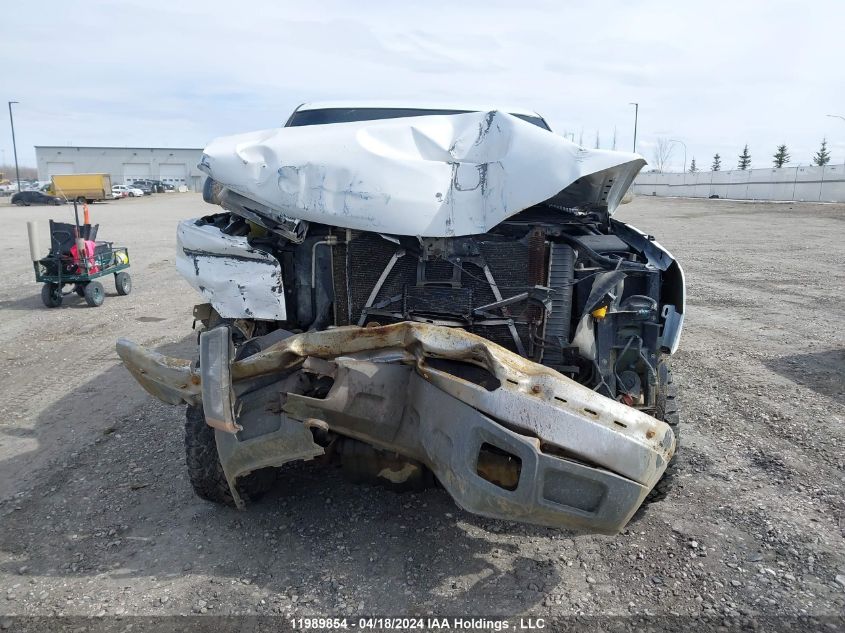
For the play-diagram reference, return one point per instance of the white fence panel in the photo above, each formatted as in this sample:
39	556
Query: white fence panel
833	187
811	184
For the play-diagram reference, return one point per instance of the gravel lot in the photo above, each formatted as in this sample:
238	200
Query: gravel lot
97	516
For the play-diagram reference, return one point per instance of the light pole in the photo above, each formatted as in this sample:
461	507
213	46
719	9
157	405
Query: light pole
636	114
671	140
14	146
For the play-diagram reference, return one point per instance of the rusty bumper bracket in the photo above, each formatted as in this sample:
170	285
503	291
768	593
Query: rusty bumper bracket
578	459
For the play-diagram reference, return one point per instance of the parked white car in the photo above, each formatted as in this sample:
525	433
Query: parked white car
126	191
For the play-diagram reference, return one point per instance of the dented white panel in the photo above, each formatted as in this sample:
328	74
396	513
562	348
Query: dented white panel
432	176
238	280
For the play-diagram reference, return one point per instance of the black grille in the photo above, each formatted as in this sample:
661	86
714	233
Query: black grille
439	271
433	301
367	255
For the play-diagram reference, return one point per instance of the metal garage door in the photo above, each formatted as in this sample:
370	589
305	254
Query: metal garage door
175	174
54	169
135	171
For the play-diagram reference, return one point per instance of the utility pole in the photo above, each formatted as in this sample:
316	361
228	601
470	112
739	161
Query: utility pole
671	140
636	114
14	146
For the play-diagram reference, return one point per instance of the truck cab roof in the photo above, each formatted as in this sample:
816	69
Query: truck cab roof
327	112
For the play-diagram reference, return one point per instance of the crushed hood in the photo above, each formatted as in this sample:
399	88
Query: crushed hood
429	176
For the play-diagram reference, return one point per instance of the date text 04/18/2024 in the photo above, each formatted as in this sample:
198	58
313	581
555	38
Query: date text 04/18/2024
418	624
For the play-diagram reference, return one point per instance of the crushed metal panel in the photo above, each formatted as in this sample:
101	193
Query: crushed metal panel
171	380
430	176
587	462
237	279
291	442
448	435
216	353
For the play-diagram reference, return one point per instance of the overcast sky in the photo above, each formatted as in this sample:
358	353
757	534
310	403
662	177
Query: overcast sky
715	75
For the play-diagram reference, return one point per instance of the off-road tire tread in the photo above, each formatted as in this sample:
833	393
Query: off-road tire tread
204	469
667	409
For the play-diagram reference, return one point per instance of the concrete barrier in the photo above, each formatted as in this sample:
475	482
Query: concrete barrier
808	184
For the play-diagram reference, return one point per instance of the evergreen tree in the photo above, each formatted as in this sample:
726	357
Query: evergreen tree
744	159
692	167
822	157
717	163
781	156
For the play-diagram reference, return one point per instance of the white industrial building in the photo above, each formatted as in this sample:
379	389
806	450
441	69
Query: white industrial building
173	165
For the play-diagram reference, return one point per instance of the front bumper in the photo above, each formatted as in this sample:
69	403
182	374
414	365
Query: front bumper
573	458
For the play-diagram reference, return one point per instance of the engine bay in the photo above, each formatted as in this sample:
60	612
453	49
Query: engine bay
560	288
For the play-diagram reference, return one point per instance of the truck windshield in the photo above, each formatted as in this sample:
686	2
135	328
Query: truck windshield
348	115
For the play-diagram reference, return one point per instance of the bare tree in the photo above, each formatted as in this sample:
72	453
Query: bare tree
598	140
27	173
662	153
613	145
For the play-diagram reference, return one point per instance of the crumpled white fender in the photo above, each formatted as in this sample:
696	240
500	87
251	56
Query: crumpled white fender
430	176
237	279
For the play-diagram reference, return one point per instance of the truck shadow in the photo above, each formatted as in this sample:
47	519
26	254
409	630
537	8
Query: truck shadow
119	511
823	372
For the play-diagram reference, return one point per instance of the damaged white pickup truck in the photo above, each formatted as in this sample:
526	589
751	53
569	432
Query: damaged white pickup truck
427	296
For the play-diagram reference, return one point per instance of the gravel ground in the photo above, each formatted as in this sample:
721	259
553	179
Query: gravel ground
97	516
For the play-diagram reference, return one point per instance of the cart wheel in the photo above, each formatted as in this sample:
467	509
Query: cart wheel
94	293
123	283
51	295
79	289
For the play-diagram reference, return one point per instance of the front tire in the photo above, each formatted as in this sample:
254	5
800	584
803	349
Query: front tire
204	470
667	409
